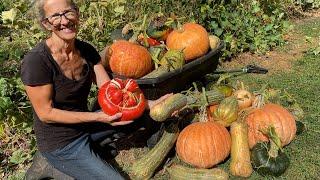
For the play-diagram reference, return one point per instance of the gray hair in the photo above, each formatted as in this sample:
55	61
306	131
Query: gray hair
41	12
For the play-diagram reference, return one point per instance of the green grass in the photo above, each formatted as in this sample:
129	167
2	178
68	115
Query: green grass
303	82
310	28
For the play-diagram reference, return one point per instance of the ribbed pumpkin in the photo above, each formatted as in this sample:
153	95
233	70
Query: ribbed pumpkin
269	115
203	144
226	112
129	59
192	38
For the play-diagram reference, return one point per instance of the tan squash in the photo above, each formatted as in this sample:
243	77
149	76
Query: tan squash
244	97
240	153
179	172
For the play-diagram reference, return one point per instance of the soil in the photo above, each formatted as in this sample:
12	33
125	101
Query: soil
279	59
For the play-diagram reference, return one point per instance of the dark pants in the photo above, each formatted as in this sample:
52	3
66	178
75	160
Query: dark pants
83	158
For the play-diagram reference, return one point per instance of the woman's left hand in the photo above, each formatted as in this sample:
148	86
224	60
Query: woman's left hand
151	103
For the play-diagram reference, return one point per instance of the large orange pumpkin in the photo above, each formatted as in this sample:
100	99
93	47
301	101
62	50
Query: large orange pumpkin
192	38
203	144
261	119
129	59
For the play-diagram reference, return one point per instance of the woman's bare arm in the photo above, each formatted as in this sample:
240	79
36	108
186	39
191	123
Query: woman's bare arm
41	99
101	74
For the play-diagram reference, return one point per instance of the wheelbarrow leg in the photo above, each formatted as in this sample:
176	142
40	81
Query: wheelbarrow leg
41	169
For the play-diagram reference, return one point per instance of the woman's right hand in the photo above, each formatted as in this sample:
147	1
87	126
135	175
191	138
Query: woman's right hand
112	120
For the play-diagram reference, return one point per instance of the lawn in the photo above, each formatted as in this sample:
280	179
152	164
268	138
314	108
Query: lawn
302	81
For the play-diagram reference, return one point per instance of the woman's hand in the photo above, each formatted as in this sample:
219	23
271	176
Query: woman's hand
112	120
152	103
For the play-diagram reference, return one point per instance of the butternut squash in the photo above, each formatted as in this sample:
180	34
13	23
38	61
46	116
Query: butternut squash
240	153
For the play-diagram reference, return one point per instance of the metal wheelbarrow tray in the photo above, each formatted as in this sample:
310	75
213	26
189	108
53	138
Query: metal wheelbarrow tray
175	81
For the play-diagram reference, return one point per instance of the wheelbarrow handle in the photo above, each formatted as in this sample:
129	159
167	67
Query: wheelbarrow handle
255	69
248	69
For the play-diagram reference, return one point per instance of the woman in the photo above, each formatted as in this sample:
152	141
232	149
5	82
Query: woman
57	75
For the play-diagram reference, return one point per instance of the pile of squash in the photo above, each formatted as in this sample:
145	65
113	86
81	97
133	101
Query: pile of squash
249	128
157	45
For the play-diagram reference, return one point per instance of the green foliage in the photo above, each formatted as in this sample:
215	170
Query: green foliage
245	26
100	18
18	36
308	4
17	143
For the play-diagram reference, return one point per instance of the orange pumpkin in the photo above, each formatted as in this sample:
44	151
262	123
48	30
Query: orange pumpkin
261	119
203	144
192	38
129	59
210	110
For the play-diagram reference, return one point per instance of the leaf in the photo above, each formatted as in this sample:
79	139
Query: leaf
10	15
218	31
2	133
214	25
119	9
17	175
5	103
82	8
18	157
268	27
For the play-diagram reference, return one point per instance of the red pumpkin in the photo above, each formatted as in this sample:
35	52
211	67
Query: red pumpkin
122	96
129	59
260	119
192	38
203	144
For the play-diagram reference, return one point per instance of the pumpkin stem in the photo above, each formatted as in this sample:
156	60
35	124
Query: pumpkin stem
242	115
270	95
223	78
242	85
195	86
144	29
205	99
259	101
203	107
275	142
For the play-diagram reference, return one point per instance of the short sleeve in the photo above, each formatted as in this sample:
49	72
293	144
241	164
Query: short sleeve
88	52
35	70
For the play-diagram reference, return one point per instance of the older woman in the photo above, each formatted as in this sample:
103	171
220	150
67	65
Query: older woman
57	75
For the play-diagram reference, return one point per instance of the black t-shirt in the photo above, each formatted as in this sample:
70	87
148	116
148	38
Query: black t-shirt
39	68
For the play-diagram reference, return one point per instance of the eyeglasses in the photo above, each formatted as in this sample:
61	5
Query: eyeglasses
55	19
